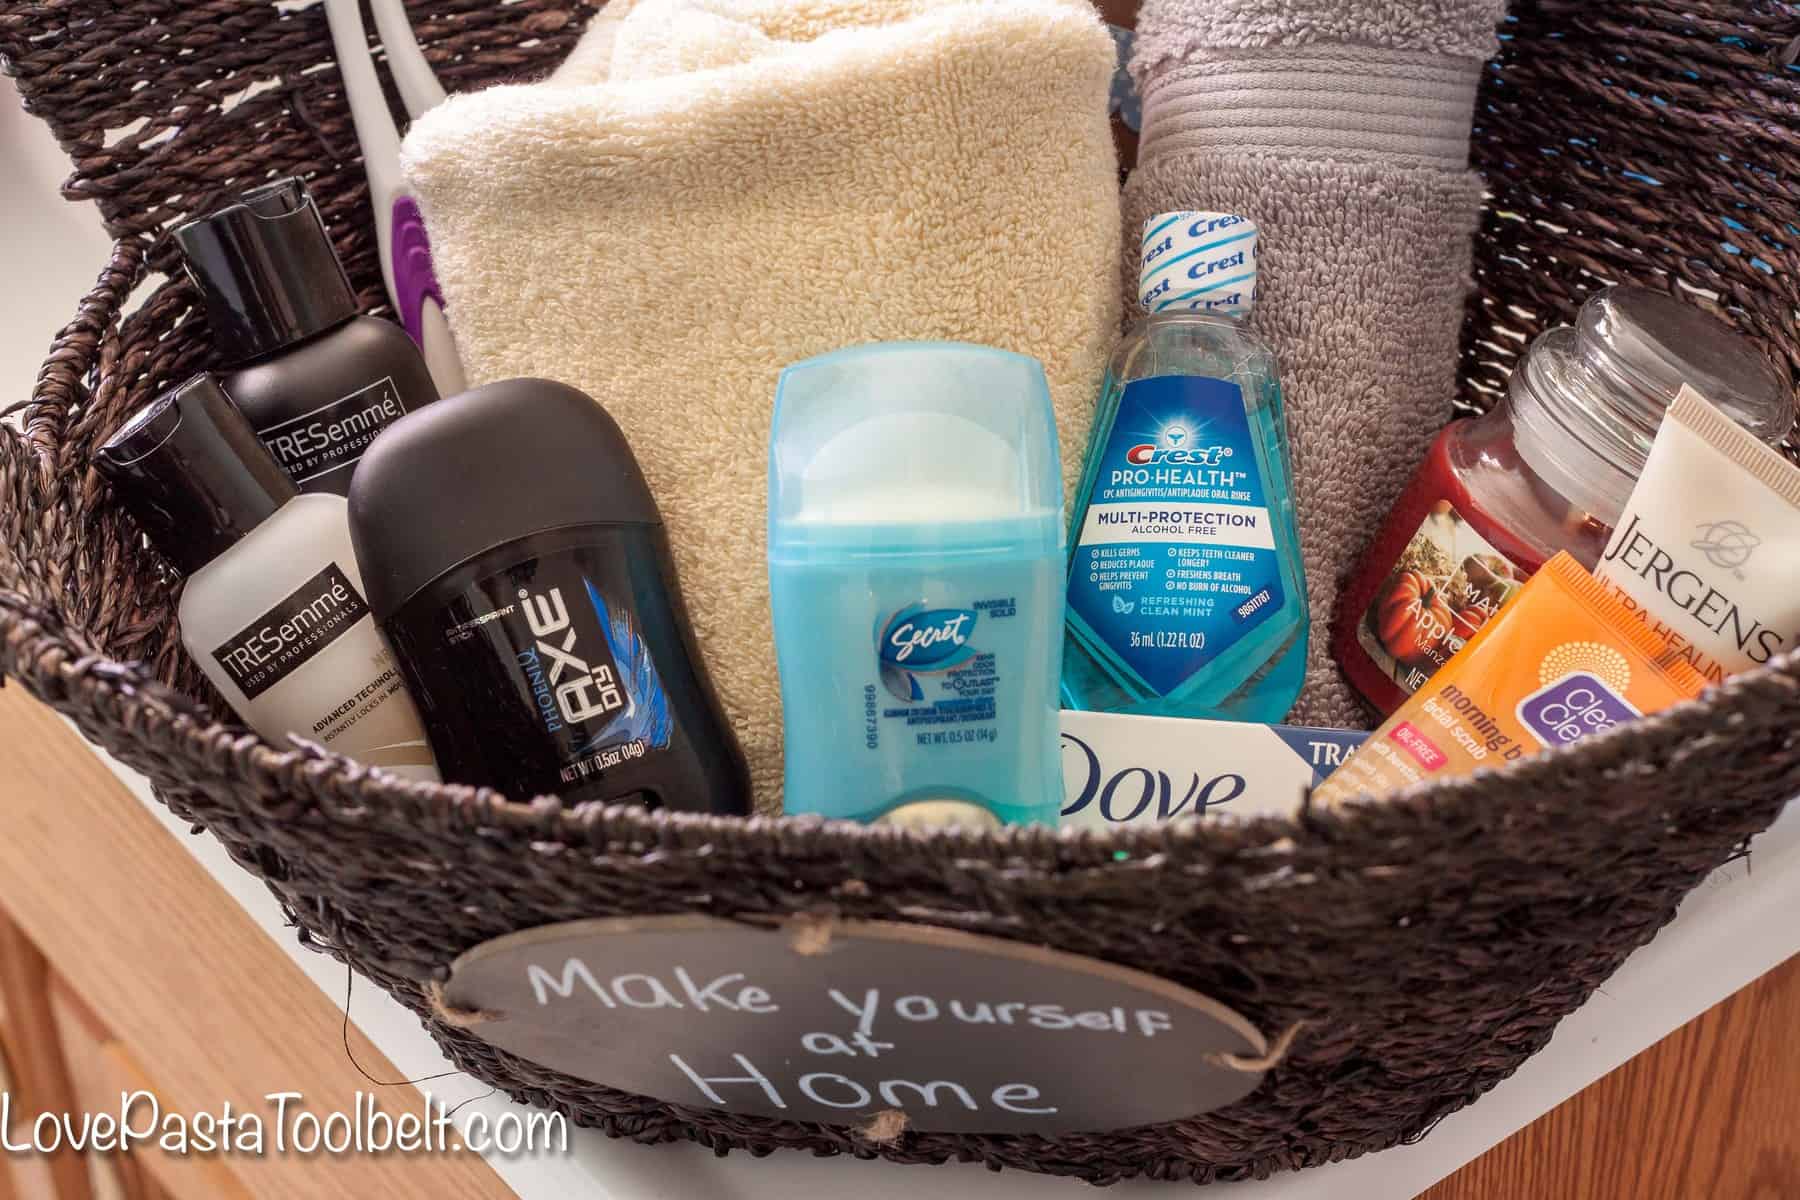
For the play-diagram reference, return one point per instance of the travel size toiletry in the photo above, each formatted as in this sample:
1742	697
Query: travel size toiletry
915	565
1707	553
518	564
317	379
274	610
1124	770
1185	587
1564	660
1548	469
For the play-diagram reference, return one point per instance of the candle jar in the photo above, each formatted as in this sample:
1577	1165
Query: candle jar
1549	469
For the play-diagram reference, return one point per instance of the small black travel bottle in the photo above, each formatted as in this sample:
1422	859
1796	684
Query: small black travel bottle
516	561
316	378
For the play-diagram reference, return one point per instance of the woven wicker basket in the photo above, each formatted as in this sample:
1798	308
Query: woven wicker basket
1432	942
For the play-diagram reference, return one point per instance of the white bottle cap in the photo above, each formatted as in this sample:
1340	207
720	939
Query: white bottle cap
1205	261
939	814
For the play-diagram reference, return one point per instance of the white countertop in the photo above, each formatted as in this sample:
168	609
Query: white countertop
1733	929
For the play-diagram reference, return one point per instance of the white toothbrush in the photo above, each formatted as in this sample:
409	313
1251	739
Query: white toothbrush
419	87
399	229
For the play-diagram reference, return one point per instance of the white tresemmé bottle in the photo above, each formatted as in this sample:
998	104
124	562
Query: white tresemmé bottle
273	609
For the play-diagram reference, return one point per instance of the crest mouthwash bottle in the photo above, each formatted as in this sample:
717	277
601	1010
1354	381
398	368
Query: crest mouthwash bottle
1186	594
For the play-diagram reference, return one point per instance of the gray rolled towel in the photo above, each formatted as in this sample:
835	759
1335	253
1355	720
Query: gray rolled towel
1342	128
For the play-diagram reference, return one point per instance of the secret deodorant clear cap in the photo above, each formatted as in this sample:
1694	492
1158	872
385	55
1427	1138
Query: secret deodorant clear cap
912	444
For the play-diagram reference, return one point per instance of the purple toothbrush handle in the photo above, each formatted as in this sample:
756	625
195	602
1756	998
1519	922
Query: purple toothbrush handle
414	280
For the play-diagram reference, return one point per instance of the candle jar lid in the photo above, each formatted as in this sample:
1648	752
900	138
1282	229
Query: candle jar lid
1589	398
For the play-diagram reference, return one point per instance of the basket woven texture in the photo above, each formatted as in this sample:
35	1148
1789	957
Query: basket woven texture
1432	943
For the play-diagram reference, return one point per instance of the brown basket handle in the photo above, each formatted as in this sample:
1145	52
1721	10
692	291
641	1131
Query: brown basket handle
76	351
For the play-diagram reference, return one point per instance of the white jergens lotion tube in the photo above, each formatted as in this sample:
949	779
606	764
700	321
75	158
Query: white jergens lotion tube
1708	549
273	610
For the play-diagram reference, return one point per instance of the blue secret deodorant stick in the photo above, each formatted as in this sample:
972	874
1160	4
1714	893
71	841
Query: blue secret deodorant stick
915	567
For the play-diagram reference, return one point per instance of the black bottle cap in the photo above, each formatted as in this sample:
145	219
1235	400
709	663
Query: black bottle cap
193	473
500	462
267	271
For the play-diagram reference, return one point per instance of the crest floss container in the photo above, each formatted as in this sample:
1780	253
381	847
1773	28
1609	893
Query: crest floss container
915	568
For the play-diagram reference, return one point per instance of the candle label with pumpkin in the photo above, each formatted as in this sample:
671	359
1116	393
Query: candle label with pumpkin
1444	586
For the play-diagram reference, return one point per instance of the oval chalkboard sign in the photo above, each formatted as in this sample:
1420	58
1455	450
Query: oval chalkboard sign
844	1023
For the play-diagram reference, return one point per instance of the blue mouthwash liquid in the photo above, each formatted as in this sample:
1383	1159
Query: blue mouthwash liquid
1186	595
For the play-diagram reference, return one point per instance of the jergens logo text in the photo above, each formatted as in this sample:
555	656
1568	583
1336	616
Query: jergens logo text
1635	552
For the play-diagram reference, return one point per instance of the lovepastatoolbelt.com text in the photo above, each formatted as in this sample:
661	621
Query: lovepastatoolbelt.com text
284	1124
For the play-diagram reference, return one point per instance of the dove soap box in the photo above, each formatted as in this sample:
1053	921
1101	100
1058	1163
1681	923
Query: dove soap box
1120	769
1707	554
915	575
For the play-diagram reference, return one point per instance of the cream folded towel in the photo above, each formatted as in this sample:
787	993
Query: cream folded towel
708	190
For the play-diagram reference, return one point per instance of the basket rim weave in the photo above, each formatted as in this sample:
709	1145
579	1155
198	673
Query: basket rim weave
36	648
